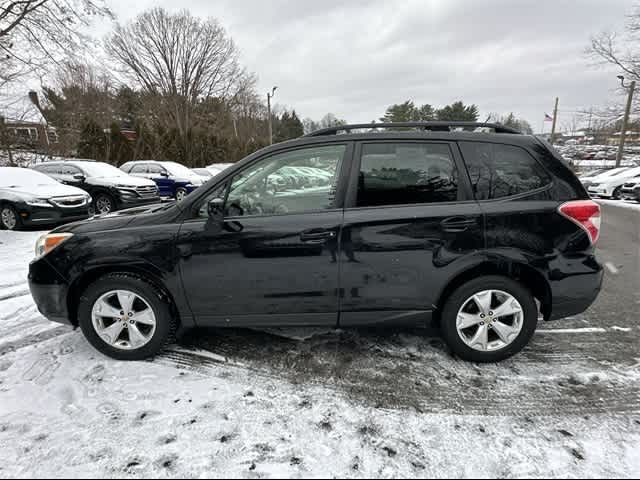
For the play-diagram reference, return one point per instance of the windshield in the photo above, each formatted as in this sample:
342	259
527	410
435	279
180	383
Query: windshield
102	170
178	170
22	177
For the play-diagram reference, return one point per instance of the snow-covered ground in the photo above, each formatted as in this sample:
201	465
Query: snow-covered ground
310	403
620	203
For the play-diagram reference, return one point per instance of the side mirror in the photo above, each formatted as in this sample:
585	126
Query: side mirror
164	174
216	210
79	177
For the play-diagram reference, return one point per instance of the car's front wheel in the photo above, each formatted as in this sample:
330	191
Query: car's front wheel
126	317
617	194
9	218
489	319
104	203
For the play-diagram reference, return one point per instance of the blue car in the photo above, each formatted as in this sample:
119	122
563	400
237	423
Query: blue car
173	179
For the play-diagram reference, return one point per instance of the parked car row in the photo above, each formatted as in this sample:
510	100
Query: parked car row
65	191
615	184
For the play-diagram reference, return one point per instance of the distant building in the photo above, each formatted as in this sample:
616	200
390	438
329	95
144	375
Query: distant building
31	135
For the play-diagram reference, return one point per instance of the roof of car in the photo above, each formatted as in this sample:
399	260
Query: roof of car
450	127
74	161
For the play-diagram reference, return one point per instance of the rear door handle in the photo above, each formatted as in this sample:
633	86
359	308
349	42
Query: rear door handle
317	236
457	224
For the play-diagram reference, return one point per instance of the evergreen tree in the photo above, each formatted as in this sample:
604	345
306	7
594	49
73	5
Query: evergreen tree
120	147
458	112
408	112
288	127
93	141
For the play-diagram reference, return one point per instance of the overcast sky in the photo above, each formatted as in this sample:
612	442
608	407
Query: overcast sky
355	58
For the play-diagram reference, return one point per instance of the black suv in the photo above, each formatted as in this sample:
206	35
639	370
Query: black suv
472	226
111	188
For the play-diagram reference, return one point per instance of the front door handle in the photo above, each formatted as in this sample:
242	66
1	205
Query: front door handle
457	224
317	235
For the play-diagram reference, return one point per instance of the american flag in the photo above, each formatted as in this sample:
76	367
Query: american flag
548	118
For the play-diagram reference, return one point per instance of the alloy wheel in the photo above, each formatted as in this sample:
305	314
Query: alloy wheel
490	320
123	319
104	205
8	217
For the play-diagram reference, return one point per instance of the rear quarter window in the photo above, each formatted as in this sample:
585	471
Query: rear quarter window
499	171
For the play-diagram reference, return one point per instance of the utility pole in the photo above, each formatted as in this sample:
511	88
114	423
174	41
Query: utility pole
555	119
269	97
625	122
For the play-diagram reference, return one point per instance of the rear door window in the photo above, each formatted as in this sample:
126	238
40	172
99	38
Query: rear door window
138	169
406	173
155	169
498	171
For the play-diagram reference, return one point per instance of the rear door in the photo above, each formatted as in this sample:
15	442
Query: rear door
410	224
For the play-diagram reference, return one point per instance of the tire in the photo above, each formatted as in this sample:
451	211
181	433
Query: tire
181	194
617	194
9	218
104	203
460	298
159	337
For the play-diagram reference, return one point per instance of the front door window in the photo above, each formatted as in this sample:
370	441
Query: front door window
297	181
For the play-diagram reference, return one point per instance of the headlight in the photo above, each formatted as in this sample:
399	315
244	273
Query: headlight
47	243
39	202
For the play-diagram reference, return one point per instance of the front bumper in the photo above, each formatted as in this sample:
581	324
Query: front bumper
32	216
598	192
49	291
628	194
130	202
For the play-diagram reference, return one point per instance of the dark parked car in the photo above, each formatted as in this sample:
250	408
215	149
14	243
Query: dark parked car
631	190
30	198
469	229
110	188
173	179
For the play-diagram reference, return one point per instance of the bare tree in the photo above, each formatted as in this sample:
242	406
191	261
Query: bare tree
182	61
623	51
34	33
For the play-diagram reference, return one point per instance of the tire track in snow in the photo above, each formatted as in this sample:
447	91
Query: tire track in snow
553	377
30	340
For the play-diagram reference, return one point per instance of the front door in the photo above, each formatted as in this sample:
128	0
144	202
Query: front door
166	185
274	258
410	225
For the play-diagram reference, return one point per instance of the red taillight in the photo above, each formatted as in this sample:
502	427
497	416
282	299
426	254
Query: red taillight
586	214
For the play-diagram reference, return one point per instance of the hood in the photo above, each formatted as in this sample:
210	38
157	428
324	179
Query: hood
46	191
129	181
121	219
196	180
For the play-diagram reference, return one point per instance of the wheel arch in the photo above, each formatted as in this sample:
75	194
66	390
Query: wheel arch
80	284
528	276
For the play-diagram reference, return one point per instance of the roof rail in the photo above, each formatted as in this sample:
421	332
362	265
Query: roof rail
426	126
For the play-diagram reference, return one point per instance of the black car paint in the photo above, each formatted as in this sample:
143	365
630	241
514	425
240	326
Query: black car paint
391	264
95	186
31	215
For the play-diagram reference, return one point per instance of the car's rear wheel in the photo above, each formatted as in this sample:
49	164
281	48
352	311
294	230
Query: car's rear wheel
104	204
489	319
9	218
126	317
181	194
